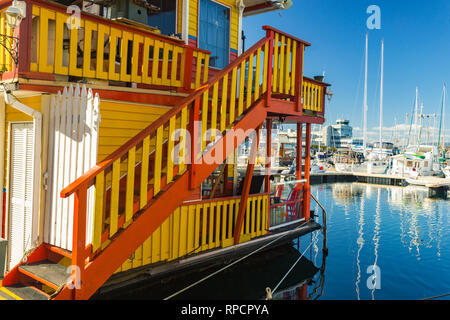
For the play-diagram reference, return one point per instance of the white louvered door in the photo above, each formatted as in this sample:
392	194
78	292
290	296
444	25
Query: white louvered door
20	191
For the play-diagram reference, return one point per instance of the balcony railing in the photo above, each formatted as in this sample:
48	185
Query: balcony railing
202	225
53	42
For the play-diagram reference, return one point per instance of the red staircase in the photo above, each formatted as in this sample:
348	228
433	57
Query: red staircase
135	194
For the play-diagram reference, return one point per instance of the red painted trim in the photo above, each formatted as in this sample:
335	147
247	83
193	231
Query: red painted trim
287	35
307	186
246	187
132	97
259	6
268	165
299	80
4	4
60	251
37	75
13	276
270	36
268	154
298	163
25	34
35	277
79	239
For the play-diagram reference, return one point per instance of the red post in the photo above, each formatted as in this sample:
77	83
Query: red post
298	164
299	78
188	65
246	186
194	132
24	34
268	155
307	187
268	165
270	35
79	241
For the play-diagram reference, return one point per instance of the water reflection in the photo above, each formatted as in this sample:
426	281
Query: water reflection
360	242
398	229
407	232
376	236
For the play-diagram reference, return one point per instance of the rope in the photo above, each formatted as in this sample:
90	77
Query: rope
227	266
435	297
271	292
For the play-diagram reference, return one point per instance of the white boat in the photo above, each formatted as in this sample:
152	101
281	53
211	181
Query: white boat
317	168
386	151
371	167
446	171
343	167
423	162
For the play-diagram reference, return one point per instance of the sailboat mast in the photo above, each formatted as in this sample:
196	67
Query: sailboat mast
421	123
443	121
416	133
365	97
381	98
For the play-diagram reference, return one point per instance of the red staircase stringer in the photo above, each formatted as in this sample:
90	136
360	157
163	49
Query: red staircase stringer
159	209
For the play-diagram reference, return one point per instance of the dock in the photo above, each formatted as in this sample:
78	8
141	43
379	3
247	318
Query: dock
437	187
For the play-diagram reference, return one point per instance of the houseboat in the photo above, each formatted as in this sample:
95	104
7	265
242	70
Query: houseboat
115	115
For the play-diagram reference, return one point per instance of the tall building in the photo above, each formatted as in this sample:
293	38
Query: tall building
335	135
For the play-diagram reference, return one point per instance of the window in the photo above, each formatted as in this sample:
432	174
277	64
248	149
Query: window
165	19
214	32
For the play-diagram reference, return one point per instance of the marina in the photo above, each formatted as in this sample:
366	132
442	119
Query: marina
184	150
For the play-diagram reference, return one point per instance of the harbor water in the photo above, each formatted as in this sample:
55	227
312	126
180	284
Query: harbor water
383	243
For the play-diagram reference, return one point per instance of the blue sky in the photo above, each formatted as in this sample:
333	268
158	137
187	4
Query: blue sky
417	53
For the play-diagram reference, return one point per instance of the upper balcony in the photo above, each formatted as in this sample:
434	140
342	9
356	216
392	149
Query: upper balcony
57	46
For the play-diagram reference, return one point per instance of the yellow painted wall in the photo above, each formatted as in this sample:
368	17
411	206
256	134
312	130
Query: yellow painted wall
122	121
234	30
180	16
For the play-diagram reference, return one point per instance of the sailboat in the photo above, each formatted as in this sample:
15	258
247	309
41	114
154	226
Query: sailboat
376	161
420	160
446	169
344	160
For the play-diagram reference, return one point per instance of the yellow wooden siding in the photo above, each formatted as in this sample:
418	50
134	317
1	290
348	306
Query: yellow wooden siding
234	28
121	122
180	16
12	115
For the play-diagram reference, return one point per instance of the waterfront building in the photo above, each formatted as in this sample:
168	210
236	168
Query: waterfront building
114	120
335	135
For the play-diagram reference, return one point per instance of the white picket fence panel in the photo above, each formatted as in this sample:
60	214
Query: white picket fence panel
73	144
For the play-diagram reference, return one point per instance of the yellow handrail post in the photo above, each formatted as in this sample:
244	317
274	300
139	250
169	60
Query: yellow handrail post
270	35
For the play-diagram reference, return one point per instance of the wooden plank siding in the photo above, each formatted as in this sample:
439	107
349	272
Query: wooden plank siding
122	121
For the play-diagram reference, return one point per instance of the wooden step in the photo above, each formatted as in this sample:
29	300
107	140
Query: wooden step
46	272
22	292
